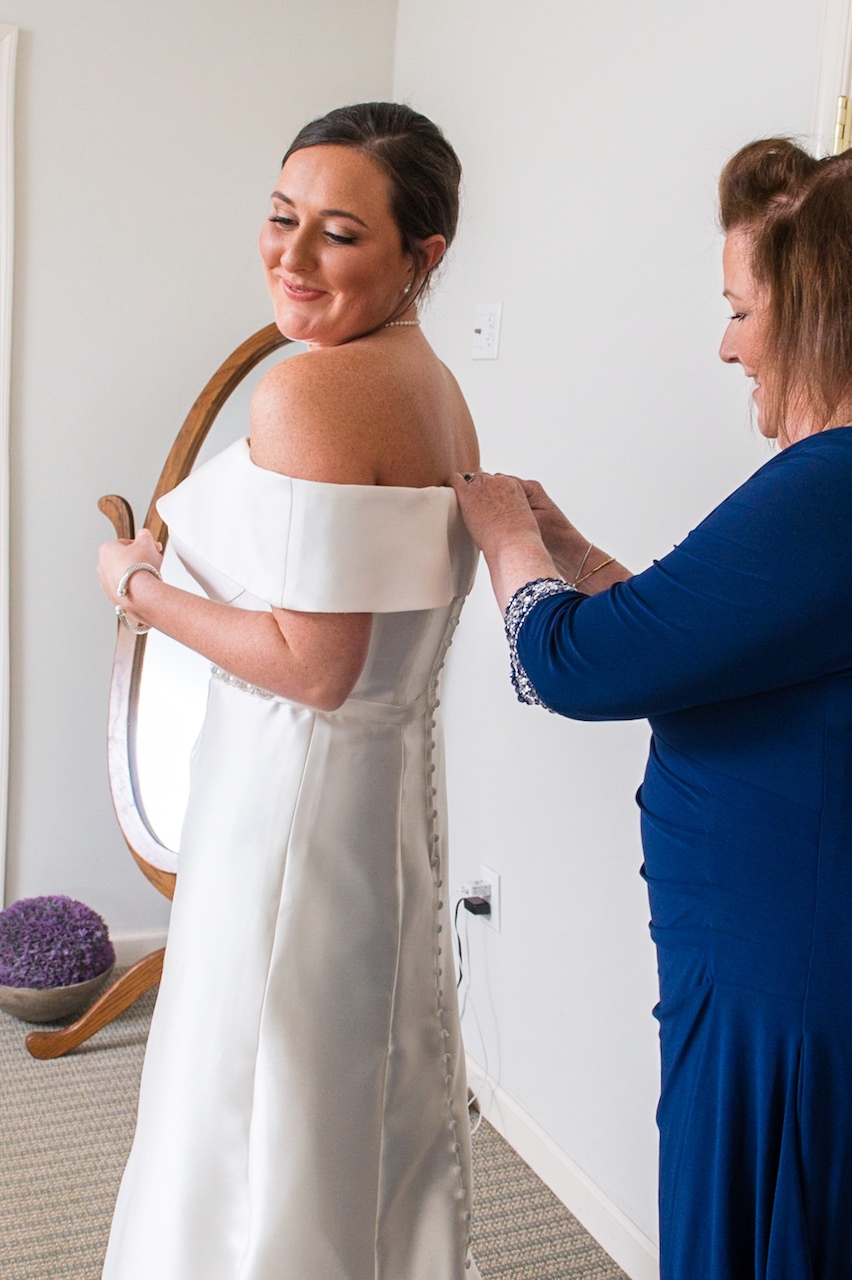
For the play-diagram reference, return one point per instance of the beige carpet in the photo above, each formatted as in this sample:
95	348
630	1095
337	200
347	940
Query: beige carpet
65	1130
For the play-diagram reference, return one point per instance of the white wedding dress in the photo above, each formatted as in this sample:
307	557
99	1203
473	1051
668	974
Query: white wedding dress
303	1113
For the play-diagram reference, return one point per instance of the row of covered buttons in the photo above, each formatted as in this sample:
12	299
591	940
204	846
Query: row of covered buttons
435	861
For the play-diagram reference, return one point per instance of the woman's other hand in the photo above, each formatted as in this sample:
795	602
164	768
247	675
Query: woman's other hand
563	541
116	557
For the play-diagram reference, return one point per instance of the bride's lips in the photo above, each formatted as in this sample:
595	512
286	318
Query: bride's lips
300	293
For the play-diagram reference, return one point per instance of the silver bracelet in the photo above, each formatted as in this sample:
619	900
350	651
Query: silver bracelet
121	590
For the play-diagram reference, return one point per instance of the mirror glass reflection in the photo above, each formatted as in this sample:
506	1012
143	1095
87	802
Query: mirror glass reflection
173	687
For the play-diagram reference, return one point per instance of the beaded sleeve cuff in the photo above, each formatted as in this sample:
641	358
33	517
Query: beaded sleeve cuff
520	605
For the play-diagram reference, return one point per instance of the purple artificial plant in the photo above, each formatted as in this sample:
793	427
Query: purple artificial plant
52	942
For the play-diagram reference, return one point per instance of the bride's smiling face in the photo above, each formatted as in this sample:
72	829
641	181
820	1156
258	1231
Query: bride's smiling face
332	252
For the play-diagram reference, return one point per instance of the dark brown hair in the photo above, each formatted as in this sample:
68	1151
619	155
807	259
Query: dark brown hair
423	169
797	213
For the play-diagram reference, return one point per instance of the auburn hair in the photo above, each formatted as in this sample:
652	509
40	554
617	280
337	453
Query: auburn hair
797	214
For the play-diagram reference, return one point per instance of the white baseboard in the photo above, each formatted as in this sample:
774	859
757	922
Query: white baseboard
130	947
625	1243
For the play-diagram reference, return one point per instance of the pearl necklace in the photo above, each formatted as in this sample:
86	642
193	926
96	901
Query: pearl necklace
399	324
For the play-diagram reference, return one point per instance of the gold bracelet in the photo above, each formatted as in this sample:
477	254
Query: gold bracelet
577	581
581	566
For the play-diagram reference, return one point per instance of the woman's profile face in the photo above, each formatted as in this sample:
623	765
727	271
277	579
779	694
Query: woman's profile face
332	252
744	337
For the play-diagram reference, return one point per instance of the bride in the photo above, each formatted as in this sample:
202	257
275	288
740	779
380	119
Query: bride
303	1108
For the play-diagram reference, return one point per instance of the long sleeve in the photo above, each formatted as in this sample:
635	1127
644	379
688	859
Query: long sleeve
757	597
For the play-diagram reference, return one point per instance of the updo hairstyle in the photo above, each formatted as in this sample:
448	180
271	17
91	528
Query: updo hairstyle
797	213
423	169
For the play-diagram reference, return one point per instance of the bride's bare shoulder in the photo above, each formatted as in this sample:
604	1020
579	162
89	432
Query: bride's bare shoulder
314	415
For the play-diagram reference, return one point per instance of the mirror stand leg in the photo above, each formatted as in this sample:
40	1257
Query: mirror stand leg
120	996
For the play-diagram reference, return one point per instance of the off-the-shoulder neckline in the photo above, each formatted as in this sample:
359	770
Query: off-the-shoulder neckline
335	484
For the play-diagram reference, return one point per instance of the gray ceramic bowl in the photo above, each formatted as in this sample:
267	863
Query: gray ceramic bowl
34	1005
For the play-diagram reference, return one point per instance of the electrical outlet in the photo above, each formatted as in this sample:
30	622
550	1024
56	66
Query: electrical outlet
493	878
475	889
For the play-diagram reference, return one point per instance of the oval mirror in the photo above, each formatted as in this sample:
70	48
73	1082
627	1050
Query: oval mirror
172	692
158	688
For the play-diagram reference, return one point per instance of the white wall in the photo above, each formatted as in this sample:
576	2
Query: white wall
591	136
148	138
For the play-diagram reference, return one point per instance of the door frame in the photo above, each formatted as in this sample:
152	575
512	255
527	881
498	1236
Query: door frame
834	73
8	51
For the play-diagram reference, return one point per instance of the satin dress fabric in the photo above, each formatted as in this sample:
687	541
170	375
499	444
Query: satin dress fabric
303	1110
738	648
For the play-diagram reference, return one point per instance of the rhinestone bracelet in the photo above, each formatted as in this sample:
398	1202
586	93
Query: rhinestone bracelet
521	604
121	590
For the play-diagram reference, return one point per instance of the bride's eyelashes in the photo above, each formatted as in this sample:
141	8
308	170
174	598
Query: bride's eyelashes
333	236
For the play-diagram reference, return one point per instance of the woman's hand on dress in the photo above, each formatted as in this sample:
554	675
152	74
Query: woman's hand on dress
496	510
116	557
501	522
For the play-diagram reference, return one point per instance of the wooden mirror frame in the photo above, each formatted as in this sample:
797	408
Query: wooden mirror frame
156	860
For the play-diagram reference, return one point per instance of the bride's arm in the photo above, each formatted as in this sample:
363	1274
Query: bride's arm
314	658
298	427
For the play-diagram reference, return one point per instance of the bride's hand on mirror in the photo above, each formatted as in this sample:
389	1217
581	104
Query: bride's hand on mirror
116	557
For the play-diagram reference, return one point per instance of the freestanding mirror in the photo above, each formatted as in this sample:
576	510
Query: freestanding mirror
148	814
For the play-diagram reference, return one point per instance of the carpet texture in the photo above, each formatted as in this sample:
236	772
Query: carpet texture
520	1230
66	1128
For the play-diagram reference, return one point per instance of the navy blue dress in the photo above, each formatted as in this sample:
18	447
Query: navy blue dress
738	649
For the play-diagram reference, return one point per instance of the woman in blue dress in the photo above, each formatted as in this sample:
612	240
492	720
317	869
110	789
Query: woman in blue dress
737	647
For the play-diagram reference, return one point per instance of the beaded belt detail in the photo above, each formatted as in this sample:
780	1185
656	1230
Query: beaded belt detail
352	709
219	673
